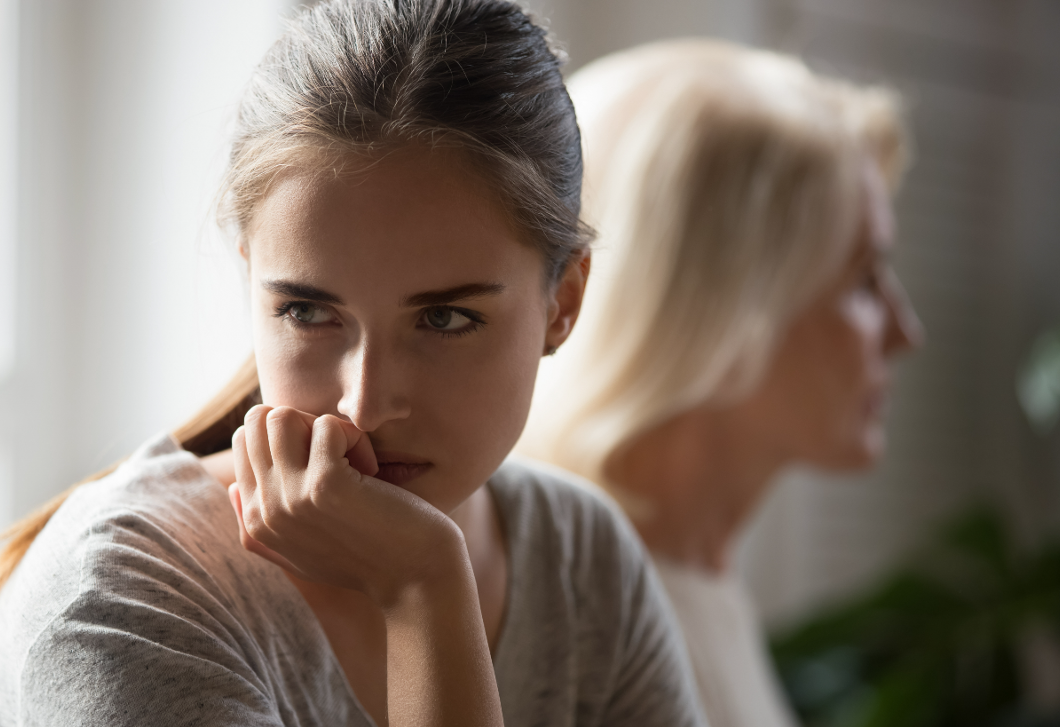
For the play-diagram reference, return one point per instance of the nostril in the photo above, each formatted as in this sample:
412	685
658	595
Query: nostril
907	331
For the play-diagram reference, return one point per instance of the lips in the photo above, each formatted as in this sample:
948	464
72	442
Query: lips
399	469
877	403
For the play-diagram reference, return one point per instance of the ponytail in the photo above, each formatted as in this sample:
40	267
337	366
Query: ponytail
208	431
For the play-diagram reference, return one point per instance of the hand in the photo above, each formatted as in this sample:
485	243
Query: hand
306	501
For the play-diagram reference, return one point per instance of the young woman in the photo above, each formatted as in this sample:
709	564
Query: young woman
335	539
741	318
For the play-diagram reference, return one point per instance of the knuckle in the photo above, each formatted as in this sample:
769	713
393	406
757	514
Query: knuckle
276	517
281	415
267	514
319	495
254	524
302	507
255	413
327	422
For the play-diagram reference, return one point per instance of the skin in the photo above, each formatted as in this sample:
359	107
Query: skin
398	322
822	401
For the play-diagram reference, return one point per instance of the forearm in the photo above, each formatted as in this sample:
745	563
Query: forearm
439	671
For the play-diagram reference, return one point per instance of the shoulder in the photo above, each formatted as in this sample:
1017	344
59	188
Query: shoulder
151	528
727	647
712	608
587	616
158	507
139	578
545	502
156	499
561	523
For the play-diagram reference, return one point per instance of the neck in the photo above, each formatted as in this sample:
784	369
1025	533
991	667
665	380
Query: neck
478	519
701	476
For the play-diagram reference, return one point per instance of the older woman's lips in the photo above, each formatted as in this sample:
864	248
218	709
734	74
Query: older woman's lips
399	470
878	403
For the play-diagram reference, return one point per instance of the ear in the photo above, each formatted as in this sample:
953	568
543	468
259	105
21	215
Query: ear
566	301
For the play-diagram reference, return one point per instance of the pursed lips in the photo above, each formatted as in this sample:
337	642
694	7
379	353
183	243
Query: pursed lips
399	468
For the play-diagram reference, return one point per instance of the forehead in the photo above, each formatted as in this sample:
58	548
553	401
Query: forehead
410	221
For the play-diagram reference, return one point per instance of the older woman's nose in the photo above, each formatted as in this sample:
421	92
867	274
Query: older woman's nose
905	331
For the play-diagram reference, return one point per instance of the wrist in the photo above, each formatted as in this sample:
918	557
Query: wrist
442	576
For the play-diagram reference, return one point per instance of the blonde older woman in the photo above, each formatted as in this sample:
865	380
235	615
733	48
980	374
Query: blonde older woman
742	316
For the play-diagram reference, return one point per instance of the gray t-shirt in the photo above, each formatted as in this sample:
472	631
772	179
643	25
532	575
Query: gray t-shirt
136	605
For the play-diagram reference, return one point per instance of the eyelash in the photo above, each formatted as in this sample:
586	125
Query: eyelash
284	309
871	279
477	321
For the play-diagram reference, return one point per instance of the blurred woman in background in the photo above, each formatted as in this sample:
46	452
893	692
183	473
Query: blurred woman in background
742	316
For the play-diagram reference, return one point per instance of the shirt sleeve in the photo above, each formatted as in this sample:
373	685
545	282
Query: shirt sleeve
652	682
144	641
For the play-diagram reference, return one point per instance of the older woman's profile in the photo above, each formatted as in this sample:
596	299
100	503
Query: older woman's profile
741	316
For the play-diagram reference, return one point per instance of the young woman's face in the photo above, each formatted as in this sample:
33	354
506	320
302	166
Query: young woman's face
824	398
400	298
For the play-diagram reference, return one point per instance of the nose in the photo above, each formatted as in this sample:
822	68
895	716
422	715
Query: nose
905	332
373	393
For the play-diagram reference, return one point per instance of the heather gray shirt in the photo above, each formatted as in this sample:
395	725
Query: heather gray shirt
137	605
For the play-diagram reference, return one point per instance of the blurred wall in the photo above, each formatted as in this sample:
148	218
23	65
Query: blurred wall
978	252
127	312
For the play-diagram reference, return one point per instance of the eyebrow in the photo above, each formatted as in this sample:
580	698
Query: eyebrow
450	295
302	291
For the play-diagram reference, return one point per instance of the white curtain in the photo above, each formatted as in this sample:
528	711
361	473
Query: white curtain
8	185
128	312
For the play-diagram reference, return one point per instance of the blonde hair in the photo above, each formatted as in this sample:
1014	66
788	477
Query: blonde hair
360	77
724	183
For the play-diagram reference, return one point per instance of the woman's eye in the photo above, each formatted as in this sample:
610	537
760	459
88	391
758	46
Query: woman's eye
309	313
870	280
443	318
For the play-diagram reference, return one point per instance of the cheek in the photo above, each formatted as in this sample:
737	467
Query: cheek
863	317
292	373
842	351
478	402
819	383
851	371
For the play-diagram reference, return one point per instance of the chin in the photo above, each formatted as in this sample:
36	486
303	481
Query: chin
443	489
863	453
868	451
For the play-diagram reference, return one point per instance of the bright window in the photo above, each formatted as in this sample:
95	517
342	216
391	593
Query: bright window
8	229
8	170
